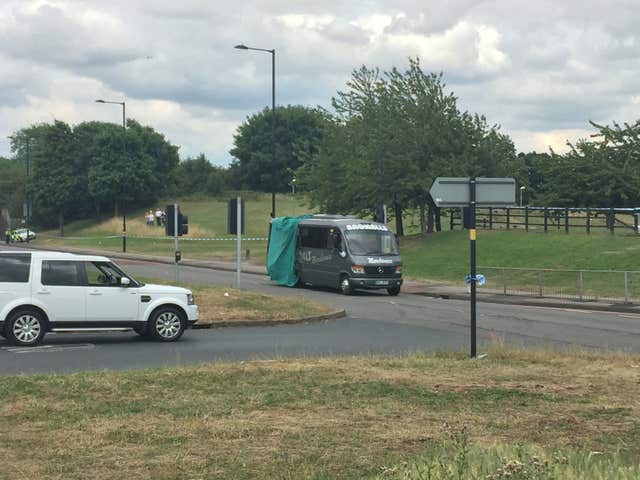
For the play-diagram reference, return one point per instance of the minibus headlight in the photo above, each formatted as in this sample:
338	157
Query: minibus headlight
357	269
399	269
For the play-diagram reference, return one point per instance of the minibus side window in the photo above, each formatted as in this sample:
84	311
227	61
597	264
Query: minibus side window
314	237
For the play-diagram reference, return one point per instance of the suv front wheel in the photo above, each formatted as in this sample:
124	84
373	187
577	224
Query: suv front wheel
25	328
166	324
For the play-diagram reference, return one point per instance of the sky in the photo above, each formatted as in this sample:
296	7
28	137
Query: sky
540	69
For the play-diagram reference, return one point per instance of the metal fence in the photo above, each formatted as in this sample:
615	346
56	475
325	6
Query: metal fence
582	285
553	218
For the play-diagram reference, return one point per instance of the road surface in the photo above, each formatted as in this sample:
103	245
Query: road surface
375	323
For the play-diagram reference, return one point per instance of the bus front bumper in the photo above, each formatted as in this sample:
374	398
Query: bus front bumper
364	282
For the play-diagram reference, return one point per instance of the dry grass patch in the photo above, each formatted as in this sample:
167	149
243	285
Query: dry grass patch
222	304
225	305
313	418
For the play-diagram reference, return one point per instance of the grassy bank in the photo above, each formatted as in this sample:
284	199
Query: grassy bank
207	219
369	417
445	257
227	305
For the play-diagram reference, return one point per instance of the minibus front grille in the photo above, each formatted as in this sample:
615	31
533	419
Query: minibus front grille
380	271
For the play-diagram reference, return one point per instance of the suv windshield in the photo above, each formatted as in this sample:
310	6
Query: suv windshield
371	242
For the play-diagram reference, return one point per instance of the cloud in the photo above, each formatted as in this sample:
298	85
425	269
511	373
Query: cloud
540	69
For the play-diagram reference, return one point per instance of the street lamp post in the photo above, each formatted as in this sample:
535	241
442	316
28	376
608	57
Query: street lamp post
124	124
27	193
124	157
522	189
273	115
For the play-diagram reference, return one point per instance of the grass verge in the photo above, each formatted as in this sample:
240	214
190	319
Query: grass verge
361	417
224	305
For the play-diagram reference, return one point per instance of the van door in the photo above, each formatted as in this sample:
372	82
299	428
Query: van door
314	255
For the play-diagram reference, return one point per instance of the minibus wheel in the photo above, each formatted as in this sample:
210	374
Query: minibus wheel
345	286
393	291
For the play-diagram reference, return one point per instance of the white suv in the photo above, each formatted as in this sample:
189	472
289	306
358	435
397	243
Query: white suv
51	291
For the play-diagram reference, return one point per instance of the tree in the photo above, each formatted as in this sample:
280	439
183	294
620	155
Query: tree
12	185
57	180
95	166
198	175
298	132
604	172
392	134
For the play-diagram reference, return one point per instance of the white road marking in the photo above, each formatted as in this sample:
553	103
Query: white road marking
579	310
51	348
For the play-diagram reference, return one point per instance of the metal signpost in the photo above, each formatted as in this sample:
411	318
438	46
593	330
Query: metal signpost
176	237
235	226
239	241
473	192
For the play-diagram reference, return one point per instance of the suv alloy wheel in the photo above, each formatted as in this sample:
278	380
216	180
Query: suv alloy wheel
25	328
166	324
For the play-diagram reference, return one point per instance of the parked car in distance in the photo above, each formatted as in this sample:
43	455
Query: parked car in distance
22	233
56	292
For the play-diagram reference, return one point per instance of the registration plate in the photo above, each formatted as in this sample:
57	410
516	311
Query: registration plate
382	282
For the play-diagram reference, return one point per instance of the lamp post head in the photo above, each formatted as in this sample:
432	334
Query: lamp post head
523	188
241	47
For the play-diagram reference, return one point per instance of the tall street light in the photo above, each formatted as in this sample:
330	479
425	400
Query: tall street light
124	125
273	115
124	133
28	194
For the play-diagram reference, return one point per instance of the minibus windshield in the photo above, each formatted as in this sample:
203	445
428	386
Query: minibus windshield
371	242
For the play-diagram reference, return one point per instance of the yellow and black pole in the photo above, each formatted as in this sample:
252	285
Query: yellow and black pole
472	250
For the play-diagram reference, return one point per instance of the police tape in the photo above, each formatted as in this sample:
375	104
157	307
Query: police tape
58	237
201	239
145	237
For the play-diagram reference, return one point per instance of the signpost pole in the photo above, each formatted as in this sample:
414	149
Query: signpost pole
472	250
472	193
175	236
238	240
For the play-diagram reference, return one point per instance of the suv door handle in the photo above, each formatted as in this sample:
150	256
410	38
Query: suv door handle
95	292
43	292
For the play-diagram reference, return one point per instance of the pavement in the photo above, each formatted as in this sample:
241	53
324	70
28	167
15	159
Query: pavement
411	286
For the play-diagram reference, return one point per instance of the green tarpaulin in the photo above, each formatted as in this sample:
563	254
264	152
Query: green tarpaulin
281	256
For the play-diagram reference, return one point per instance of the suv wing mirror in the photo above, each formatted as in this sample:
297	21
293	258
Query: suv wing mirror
125	282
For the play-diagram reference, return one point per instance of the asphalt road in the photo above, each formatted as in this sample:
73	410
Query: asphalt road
375	323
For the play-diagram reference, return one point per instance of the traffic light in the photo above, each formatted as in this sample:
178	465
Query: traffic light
170	225
183	224
232	216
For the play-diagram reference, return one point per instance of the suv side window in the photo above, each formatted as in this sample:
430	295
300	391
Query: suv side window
62	273
15	267
101	274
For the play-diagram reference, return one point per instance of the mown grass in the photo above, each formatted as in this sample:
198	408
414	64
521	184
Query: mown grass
224	305
445	257
454	458
355	417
